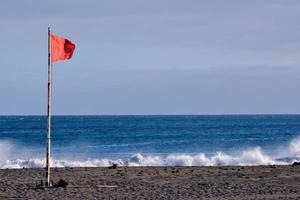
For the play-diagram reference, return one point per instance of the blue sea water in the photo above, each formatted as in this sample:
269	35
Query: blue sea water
150	140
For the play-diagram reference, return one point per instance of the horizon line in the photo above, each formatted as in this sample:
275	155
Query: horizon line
227	114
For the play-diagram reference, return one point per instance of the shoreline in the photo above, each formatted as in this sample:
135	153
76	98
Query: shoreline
225	182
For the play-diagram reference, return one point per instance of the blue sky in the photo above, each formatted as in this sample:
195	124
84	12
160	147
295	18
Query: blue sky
153	57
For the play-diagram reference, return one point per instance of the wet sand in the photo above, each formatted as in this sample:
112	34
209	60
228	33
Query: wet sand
259	182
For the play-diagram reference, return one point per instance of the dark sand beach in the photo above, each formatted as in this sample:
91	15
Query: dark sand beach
257	182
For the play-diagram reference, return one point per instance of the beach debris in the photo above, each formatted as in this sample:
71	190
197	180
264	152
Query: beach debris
114	166
41	184
106	186
296	164
61	183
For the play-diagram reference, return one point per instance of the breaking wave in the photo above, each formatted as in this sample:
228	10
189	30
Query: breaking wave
248	157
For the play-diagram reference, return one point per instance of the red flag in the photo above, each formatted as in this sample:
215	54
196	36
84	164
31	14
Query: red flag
61	48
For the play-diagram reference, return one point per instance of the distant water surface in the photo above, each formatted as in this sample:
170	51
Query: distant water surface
151	140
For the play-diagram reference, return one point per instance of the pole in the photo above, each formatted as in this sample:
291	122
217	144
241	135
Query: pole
49	113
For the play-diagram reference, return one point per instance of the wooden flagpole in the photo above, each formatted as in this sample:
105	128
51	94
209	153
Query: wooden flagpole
49	112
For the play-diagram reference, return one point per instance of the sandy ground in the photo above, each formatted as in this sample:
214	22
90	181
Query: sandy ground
260	182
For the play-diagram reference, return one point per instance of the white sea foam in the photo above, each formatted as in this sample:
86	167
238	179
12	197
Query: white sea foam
39	163
248	157
5	150
295	148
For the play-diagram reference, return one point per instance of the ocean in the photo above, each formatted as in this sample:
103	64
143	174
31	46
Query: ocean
176	140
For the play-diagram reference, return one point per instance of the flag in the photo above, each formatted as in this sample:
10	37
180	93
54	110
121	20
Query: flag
61	48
